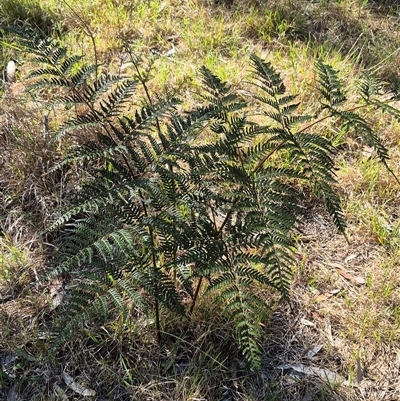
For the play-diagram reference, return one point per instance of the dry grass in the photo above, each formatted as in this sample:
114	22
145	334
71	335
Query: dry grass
353	323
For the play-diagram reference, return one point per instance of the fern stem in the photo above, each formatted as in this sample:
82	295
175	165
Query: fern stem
154	260
158	325
265	158
142	80
196	294
352	109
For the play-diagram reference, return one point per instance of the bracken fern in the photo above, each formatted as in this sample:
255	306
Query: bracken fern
173	204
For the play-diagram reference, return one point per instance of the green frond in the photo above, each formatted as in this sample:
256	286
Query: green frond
213	84
162	288
222	100
91	119
312	154
359	125
82	75
245	309
103	84
277	257
78	310
393	87
266	77
373	91
117	300
185	277
289	109
133	293
54	81
90	204
45	72
144	120
69	63
330	86
386	108
369	86
332	204
100	307
113	105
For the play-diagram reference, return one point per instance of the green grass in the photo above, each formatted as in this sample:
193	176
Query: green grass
200	361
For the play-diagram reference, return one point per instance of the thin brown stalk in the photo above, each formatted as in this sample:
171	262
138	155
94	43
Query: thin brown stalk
196	294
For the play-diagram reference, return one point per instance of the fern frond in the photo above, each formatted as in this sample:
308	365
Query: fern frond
103	84
361	127
386	108
112	106
127	287
100	307
221	96
267	79
116	298
393	87
245	309
76	313
330	86
160	286
369	86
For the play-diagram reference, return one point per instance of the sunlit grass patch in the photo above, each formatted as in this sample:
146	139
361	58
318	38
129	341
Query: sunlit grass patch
40	15
12	259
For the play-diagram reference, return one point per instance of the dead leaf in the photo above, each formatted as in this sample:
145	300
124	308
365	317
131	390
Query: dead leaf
338	343
323	297
313	351
78	388
357	280
368	151
161	7
55	286
337	265
308	396
322	373
315	315
57	300
326	295
306	322
328	332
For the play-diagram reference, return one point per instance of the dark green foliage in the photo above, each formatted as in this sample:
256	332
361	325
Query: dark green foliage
172	204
